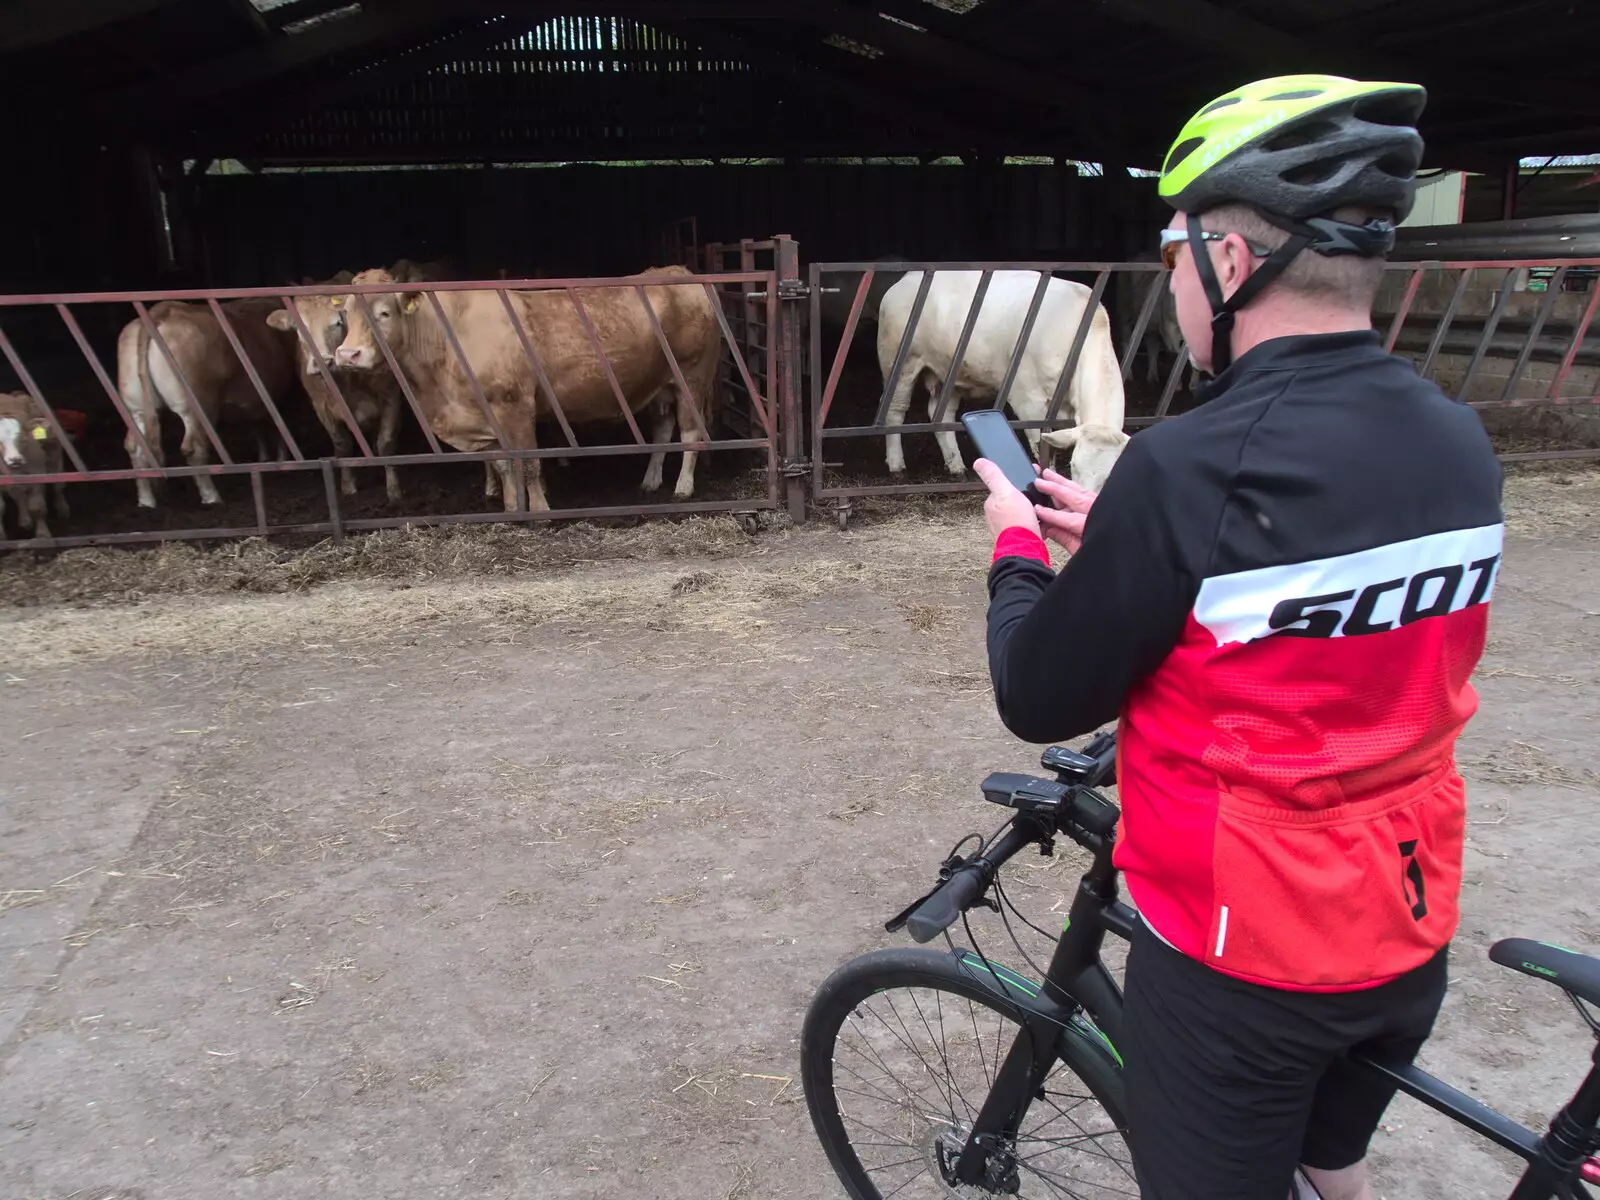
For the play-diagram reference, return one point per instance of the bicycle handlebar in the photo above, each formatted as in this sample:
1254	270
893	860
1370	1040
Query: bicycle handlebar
944	908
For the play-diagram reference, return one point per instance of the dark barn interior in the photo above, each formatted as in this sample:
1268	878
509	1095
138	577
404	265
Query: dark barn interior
751	118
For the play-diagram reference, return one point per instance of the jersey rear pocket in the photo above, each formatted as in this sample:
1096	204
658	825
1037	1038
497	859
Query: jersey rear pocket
1345	897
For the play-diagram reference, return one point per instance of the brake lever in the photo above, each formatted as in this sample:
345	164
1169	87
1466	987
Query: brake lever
947	871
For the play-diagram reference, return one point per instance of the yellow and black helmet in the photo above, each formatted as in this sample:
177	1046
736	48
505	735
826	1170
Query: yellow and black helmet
1298	146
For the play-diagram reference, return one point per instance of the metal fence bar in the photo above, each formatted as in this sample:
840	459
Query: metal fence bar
843	351
172	361
37	396
540	380
255	379
327	378
258	495
370	289
1171	388
399	375
605	363
1489	326
1546	307
893	381
690	399
1426	370
466	369
738	359
1152	297
1401	313
1078	340
1021	347
1578	335
954	371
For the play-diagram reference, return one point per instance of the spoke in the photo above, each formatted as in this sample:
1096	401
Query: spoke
978	1037
903	1184
938	1045
891	1166
884	1133
883	1065
1054	1182
883	1095
1058	1113
927	1069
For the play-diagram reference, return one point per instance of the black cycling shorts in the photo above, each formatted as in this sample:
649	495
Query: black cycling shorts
1230	1084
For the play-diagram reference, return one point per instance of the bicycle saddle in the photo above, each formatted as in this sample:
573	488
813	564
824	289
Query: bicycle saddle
1567	969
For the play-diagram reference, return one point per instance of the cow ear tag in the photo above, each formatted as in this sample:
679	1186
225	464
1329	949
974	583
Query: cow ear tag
337	302
40	433
411	306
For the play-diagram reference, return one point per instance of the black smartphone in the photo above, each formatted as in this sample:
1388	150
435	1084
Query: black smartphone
999	443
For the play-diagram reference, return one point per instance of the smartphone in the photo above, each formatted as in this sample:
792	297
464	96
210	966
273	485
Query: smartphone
999	443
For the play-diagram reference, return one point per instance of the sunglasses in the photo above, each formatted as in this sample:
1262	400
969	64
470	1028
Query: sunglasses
1173	239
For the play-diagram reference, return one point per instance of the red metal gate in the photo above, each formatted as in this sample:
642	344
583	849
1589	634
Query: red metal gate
1493	335
58	357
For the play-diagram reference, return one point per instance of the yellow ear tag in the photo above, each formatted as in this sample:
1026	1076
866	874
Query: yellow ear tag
40	433
337	302
411	306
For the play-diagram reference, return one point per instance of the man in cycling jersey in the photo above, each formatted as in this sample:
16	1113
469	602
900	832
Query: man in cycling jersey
1281	596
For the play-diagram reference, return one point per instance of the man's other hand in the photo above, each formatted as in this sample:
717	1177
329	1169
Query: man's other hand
1062	524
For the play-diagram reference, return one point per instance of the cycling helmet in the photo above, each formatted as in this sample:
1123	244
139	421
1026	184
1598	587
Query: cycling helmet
1295	148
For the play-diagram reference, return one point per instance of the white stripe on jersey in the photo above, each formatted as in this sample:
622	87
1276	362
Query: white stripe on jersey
1365	592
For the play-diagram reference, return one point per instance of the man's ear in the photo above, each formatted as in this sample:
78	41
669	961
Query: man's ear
280	319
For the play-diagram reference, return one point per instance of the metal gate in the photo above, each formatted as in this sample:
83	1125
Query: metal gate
59	358
1492	334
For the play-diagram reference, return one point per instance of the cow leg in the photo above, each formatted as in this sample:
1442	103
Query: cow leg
146	422
520	435
63	511
491	480
38	519
690	424
899	403
947	441
660	434
197	453
344	446
388	440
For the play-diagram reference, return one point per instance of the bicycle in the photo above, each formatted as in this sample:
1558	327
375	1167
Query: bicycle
1046	1106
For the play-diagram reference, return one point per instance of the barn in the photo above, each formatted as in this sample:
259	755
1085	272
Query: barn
208	148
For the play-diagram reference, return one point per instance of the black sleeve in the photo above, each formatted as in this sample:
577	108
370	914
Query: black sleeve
1065	649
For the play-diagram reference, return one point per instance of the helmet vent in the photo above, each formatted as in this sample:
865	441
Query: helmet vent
1313	173
1216	104
1302	95
1181	152
1301	134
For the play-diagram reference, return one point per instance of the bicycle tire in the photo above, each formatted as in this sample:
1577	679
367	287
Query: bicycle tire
913	1123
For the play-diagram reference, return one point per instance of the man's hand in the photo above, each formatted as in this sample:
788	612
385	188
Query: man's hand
1064	523
1006	508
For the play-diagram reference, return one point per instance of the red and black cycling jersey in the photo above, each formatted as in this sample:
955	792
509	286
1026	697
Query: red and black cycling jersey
1282	596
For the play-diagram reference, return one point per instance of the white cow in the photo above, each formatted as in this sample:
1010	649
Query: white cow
1094	395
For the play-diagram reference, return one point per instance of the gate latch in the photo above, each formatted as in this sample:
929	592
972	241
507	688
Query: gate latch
793	289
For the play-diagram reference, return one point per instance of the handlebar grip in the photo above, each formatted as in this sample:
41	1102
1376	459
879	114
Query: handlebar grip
944	908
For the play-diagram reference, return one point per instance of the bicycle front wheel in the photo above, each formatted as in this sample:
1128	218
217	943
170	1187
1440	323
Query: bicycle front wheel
901	1047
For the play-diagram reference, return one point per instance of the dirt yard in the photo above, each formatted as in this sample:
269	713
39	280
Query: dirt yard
503	864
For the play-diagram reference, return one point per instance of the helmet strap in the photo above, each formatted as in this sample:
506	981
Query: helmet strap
1224	308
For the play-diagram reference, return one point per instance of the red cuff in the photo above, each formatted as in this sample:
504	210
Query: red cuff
1020	542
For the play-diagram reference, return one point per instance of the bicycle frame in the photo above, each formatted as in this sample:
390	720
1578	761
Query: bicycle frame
1077	978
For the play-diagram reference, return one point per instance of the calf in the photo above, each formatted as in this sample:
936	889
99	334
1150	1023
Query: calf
28	447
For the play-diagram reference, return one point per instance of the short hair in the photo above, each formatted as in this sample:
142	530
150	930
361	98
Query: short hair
1344	279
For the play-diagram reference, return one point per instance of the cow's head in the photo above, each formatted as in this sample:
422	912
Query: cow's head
392	313
1094	451
324	318
11	442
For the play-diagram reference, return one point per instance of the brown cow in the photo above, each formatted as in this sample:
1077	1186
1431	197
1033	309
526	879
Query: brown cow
410	326
28	447
373	397
214	374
